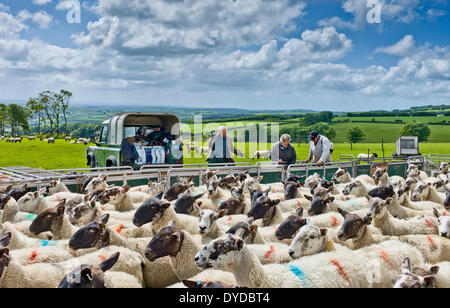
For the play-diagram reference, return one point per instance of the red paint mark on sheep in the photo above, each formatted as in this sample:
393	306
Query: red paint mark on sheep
230	264
118	228
340	269
140	188
444	213
230	218
384	256
33	256
268	255
431	241
334	221
299	204
429	223
102	258
342	197
273	190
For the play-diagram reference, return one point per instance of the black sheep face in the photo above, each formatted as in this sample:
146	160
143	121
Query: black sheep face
151	210
262	207
318	204
48	218
167	242
94	234
353	225
290	226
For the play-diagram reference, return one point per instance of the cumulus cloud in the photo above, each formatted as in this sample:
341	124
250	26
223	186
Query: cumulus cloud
42	18
402	48
41	2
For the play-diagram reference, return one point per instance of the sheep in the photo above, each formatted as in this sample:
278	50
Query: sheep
446	202
32	203
443	223
208	227
366	156
177	189
434	248
320	205
152	188
440	270
54	187
18	192
215	196
399	211
339	268
159	213
120	198
54	221
417	205
292	190
312	180
11	212
414	172
42	275
342	176
204	150
252	234
255	184
425	191
390	225
97	235
267	210
185	203
95	184
358	188
94	277
409	279
261	154
236	204
51	140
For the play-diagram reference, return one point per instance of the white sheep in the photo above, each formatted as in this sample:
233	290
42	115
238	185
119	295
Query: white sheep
443	223
340	268
390	225
426	192
440	270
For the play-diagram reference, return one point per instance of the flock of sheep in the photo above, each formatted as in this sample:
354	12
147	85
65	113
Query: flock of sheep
84	141
371	231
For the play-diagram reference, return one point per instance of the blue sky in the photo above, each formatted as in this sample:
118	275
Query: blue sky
254	54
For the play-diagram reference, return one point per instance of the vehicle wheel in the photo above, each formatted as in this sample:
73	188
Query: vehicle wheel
91	160
111	161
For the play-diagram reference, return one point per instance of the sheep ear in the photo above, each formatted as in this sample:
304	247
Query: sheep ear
406	265
299	212
197	207
330	199
276	202
110	262
159	195
436	213
60	210
259	178
86	198
166	204
126	188
388	201
308	197
367	220
204	180
344	213
5	239
172	223
240	233
368	197
221	213
266	192
323	232
254	228
430	281
36	194
93	203
192	284
199	196
104	219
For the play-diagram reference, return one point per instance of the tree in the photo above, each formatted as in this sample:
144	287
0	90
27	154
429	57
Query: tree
18	118
3	118
65	101
35	105
416	129
326	116
355	135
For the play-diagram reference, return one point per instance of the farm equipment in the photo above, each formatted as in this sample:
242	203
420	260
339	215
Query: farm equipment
156	137
406	146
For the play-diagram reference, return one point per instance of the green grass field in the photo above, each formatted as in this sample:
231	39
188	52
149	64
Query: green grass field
62	155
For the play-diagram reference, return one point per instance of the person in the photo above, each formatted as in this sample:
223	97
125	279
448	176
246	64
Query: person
320	149
221	148
129	152
283	152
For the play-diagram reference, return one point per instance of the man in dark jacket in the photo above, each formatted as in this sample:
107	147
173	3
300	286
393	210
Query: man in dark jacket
129	152
283	152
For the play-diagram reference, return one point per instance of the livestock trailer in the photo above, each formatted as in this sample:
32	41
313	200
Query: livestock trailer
406	146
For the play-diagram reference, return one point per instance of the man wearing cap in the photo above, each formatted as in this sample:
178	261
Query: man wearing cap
320	149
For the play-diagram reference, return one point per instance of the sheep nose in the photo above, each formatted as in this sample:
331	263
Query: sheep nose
196	259
202	228
444	234
291	253
340	234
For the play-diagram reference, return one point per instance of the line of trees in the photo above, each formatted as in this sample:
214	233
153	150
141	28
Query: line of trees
14	117
49	107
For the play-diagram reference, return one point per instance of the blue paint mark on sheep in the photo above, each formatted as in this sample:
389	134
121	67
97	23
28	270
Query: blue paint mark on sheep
30	217
49	243
299	274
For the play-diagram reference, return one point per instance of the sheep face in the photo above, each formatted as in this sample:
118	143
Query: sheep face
382	192
4	252
318	204
312	180
291	189
3	200
89	276
264	208
379	173
290	226
247	230
293	178
96	184
220	253
48	219
151	210
51	188
308	241
355	187
413	171
208	220
353	226
114	195
30	201
185	203
174	191
422	190
378	206
94	234
410	280
211	174
19	192
409	185
228	182
320	191
83	212
154	187
444	166
253	183
443	223
167	242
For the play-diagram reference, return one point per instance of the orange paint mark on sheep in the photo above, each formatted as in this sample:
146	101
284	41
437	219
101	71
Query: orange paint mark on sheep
334	221
268	255
33	256
340	269
444	213
384	256
230	218
102	258
118	228
429	223
102	207
431	241
273	190
342	197
140	188
299	204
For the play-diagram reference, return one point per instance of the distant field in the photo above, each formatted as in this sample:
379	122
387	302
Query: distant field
63	155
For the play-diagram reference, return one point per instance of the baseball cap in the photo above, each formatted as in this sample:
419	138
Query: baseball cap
313	135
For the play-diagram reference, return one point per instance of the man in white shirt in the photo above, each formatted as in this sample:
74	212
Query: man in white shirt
320	149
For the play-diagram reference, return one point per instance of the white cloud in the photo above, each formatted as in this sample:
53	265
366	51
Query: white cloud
41	2
402	48
338	23
42	18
